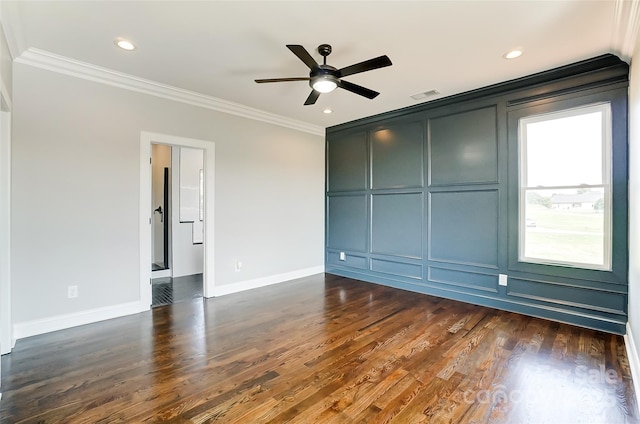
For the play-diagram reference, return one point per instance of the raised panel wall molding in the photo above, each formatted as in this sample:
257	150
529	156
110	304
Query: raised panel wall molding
454	237
463	148
397	156
472	280
464	228
397	224
349	233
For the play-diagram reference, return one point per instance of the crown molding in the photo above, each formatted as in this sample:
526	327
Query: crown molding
626	22
64	65
10	24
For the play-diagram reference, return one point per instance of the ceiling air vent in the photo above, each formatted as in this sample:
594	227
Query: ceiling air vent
424	95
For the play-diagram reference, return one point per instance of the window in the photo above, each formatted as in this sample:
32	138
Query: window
565	188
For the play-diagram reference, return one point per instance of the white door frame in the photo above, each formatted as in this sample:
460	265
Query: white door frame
146	139
6	325
6	333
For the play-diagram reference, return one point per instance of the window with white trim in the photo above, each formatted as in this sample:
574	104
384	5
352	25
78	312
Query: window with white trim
565	188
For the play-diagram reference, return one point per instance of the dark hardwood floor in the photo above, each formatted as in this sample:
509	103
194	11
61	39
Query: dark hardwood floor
320	350
168	290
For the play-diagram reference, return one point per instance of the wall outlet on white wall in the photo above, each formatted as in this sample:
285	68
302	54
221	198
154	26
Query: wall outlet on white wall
72	292
238	266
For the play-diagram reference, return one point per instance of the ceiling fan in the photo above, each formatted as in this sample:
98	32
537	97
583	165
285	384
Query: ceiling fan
325	78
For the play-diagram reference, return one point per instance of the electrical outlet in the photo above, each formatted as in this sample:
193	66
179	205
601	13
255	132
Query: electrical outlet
72	292
343	256
238	266
502	279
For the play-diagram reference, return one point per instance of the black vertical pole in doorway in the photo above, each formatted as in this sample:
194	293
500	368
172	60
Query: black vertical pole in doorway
166	218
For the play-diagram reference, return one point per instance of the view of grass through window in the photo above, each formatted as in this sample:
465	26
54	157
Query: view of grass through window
564	182
565	227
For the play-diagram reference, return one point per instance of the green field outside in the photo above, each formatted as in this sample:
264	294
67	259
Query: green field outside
565	235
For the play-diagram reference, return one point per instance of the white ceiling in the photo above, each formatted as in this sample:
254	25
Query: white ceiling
218	48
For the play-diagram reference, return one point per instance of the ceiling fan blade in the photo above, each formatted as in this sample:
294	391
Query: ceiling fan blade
367	65
303	55
312	98
358	89
260	81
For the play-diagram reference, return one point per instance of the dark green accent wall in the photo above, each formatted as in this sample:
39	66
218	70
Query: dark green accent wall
426	198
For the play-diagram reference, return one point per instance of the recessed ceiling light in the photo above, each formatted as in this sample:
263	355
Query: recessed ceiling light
513	53
327	110
124	44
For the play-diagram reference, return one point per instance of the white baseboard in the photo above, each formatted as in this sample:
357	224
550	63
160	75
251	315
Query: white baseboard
634	359
7	349
163	273
265	281
61	322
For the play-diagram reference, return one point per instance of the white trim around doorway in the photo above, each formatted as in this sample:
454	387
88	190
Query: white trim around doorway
7	338
146	139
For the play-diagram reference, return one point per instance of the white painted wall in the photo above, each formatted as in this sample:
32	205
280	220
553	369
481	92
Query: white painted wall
187	257
634	207
76	192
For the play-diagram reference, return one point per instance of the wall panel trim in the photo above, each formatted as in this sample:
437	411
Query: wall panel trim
470	201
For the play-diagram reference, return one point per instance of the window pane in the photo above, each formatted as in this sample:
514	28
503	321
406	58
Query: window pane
565	226
565	177
564	151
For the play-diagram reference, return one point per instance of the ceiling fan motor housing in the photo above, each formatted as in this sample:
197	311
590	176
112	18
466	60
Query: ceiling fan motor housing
323	73
324	50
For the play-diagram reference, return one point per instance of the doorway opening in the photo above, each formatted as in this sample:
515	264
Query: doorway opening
176	242
177	202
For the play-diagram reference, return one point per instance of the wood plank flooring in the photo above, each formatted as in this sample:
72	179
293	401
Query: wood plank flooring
322	349
168	290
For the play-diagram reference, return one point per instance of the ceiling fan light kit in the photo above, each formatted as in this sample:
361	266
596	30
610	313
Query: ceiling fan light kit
325	78
324	83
